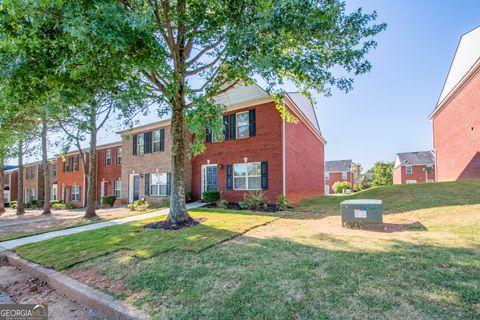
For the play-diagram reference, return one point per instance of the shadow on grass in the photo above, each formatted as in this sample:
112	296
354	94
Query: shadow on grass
276	278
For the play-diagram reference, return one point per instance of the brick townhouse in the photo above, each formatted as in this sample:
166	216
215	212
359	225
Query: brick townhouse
109	170
261	151
71	181
414	167
456	118
10	188
33	180
337	170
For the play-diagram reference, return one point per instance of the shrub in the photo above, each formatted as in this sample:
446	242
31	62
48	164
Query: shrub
53	202
165	203
253	200
341	186
282	203
70	205
211	196
188	196
40	204
109	201
139	205
222	203
59	206
14	204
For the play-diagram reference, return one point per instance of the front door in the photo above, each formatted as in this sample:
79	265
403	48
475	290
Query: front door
209	177
136	188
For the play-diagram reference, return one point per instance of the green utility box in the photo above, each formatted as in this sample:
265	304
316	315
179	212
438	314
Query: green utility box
362	212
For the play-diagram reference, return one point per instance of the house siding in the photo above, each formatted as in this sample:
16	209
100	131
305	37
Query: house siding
304	162
265	146
456	134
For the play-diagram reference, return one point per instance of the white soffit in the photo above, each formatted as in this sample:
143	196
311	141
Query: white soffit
241	94
466	56
306	107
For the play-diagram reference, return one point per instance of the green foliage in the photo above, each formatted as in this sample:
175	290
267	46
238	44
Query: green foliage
341	186
165	203
210	196
109	201
13	204
254	200
282	203
222	203
382	173
139	205
59	206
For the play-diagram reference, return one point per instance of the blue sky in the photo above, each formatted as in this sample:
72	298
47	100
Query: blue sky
388	108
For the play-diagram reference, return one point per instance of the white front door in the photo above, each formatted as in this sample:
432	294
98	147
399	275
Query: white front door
53	196
209	177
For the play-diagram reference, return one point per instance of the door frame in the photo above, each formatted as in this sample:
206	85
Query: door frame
130	186
203	181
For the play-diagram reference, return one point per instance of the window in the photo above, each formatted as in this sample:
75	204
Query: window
54	169
247	176
30	173
32	194
75	163
53	196
408	169
67	165
158	184
156	141
140	144
327	176
344	175
75	193
108	157
119	156
243	125
118	189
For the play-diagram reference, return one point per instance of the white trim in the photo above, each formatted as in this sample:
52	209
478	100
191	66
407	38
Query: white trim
203	185
246	176
284	157
243	125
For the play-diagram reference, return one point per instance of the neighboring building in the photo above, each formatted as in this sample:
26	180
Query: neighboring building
414	167
109	170
71	181
456	118
10	189
146	163
337	170
261	151
33	184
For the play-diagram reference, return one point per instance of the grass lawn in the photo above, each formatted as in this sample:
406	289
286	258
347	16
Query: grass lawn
302	265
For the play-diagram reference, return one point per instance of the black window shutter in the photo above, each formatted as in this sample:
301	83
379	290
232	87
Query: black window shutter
232	126
226	128
79	193
229	176
208	135
147	138
147	184
162	139
169	183
264	168
70	194
134	145
252	125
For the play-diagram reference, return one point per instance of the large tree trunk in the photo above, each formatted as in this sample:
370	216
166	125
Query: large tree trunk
178	210
92	171
46	171
2	186
20	200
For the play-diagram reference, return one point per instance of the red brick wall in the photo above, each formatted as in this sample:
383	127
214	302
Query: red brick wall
69	179
400	175
337	176
265	146
304	159
456	135
109	174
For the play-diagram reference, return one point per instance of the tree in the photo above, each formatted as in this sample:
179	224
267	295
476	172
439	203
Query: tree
189	51
382	173
357	172
341	186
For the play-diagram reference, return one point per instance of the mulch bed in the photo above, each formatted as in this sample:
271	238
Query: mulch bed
167	225
236	206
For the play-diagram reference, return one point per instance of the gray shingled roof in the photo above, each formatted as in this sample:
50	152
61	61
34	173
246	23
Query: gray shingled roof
338	165
416	158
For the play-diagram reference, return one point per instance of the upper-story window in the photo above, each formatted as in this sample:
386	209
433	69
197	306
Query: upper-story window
243	125
54	169
119	156
108	157
75	163
140	144
156	141
30	172
408	169
344	175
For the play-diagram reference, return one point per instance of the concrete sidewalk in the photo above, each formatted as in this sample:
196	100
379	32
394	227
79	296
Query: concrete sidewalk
11	244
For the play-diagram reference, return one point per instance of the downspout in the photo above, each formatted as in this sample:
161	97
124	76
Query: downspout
284	166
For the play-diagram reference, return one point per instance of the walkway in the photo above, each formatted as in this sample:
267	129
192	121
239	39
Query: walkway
11	244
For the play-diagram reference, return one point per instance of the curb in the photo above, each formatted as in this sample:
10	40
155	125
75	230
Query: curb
77	291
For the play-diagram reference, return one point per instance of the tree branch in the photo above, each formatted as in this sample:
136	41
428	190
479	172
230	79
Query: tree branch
204	67
202	52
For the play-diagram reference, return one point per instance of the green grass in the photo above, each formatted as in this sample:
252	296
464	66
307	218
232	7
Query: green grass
400	198
301	265
63	252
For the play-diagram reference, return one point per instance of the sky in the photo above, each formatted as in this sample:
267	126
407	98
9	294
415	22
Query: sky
387	111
